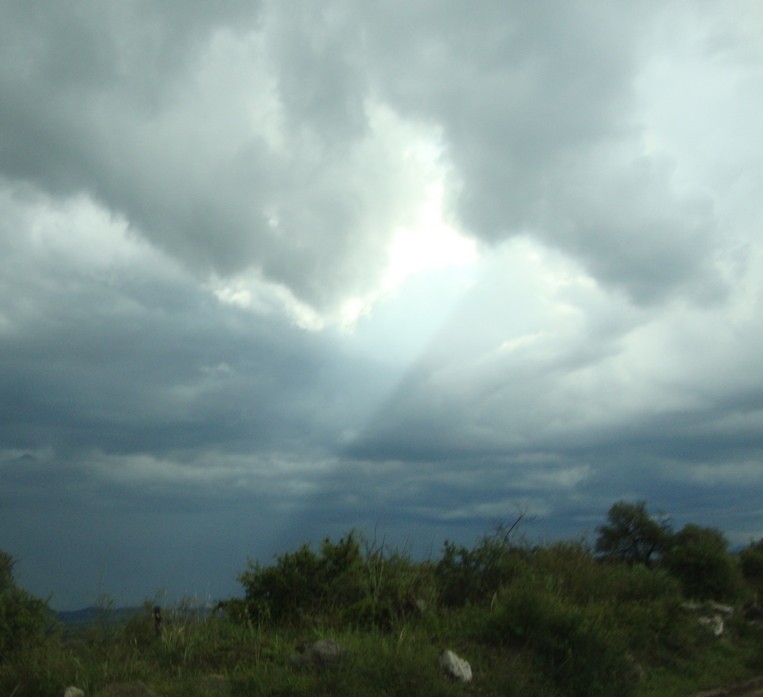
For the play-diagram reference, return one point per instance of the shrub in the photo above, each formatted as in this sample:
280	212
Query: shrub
639	584
24	619
475	575
698	557
576	574
343	584
26	644
303	583
751	558
574	646
396	589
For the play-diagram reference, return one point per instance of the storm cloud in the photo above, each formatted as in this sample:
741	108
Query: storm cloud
274	270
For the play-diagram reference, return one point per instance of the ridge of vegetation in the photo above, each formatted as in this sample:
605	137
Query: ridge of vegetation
562	619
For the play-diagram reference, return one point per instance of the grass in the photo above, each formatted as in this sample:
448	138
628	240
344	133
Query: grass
530	644
550	621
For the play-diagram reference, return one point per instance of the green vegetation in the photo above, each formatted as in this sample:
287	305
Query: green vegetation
23	618
632	535
752	566
554	620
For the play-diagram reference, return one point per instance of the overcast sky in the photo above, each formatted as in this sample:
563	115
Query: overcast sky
274	270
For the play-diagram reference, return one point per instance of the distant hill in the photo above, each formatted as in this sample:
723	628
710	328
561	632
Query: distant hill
75	619
79	619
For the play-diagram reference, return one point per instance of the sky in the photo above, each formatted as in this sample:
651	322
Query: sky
275	270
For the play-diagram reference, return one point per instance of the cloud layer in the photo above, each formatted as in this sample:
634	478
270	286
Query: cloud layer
272	270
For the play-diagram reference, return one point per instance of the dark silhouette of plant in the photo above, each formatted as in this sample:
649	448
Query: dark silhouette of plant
632	535
751	558
302	583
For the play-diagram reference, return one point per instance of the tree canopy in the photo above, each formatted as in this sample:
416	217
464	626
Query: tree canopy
631	534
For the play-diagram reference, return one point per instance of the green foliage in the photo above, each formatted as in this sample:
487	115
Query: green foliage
342	584
631	534
575	646
298	585
751	559
386	665
549	621
24	619
698	557
6	572
584	579
641	604
25	634
475	575
396	590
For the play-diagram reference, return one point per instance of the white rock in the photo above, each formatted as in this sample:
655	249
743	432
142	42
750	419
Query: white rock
725	610
326	651
454	666
72	691
320	653
715	623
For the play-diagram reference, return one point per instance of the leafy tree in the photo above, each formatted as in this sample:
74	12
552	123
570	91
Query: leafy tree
631	534
699	558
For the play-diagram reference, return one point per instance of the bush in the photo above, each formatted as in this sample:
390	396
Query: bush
751	558
27	647
24	619
576	574
698	557
303	583
475	575
397	589
581	578
574	646
341	585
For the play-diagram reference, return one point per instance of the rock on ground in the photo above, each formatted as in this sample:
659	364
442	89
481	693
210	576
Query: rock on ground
320	653
455	666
